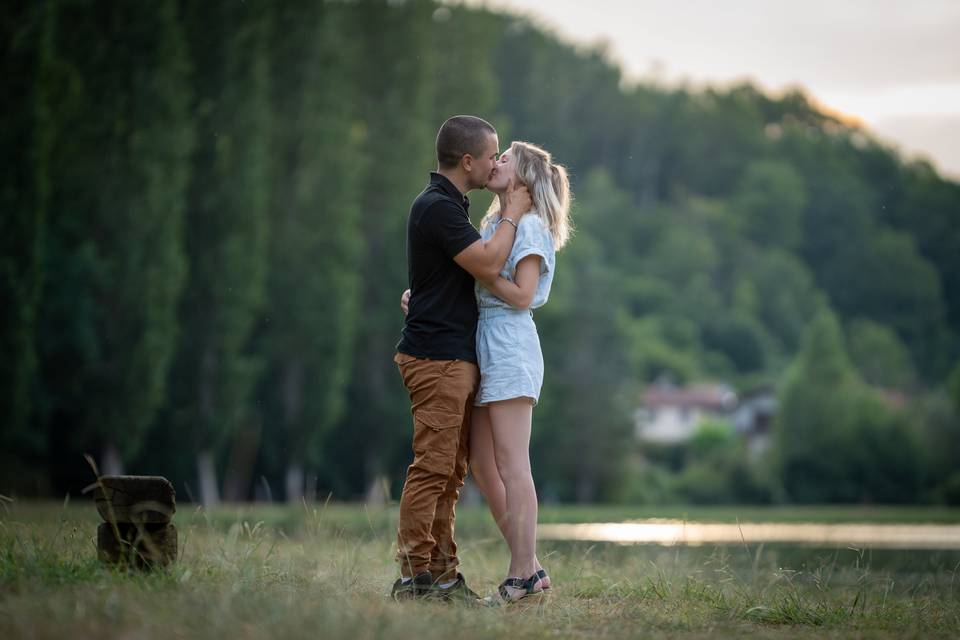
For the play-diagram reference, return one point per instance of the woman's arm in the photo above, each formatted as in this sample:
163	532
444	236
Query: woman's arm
518	294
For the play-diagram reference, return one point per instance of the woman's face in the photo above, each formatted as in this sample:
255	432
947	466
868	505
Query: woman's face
504	172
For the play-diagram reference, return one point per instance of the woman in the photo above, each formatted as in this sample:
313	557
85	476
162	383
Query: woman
510	360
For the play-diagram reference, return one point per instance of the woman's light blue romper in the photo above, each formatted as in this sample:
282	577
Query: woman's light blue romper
508	347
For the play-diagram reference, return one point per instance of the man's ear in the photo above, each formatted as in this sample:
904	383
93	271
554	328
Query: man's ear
466	162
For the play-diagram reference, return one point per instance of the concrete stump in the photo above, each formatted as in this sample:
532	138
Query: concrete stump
135	499
136	531
143	546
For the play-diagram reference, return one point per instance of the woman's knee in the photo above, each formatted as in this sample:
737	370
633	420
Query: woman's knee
513	469
484	473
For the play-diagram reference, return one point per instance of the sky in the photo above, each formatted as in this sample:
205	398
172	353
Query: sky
893	66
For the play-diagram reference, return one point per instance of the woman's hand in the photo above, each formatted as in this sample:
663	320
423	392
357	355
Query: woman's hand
405	301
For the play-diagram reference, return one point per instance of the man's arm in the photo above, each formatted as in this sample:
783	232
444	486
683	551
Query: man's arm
484	260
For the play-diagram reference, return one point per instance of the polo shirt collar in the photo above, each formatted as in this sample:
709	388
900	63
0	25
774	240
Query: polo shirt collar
449	188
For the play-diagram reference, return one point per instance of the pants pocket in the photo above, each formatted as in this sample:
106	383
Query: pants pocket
436	436
403	358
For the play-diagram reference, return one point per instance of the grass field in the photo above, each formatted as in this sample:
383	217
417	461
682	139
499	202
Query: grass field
323	571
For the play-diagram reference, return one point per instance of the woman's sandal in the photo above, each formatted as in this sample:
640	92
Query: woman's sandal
540	575
526	587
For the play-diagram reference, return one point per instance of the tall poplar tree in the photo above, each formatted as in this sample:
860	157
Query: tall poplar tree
225	230
315	241
25	132
117	200
396	105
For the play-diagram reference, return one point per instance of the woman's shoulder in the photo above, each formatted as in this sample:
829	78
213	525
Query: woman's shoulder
532	224
532	218
534	228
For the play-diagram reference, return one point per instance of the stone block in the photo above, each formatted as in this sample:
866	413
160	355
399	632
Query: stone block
135	499
143	546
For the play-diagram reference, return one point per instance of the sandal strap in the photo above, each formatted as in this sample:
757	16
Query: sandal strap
515	583
531	582
541	575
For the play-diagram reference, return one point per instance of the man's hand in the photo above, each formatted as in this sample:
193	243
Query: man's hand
405	301
518	202
484	259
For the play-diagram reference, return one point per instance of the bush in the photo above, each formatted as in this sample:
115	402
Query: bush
950	489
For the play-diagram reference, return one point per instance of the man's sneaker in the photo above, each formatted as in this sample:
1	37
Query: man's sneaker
419	587
458	592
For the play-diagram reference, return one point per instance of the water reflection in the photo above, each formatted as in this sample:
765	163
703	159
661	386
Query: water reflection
678	532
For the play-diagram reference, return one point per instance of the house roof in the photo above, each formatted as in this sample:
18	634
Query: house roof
715	397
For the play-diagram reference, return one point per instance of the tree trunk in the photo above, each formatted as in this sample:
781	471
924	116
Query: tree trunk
241	463
292	413
294	483
111	464
377	492
207	477
585	487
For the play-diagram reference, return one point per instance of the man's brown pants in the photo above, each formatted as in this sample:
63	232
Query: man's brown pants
441	395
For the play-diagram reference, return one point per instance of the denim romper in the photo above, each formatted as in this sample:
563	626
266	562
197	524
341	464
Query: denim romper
508	347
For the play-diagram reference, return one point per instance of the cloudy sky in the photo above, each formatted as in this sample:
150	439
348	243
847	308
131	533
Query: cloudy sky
892	65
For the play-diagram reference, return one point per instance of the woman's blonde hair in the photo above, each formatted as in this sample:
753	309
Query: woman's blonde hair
549	189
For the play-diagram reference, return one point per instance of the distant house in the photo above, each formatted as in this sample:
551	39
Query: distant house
753	418
670	414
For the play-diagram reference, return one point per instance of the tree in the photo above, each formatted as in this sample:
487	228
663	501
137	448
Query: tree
308	333
769	203
879	355
116	206
883	278
779	291
583	426
837	440
225	230
815	427
394	104
26	132
927	210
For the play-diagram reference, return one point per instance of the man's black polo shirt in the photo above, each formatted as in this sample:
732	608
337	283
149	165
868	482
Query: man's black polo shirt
442	316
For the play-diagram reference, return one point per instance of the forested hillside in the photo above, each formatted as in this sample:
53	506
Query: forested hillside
203	210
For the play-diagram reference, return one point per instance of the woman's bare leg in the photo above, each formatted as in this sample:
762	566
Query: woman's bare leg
483	469
510	422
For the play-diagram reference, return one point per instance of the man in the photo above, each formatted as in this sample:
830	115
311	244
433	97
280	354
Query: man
436	354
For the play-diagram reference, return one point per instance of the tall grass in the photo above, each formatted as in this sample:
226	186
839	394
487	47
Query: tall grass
323	571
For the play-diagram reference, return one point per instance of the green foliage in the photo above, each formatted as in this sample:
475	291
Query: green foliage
953	386
938	415
769	203
713	227
315	174
584	462
712	438
837	440
121	150
880	356
226	222
26	66
394	104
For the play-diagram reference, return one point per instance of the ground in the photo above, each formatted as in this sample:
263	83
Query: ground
325	571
